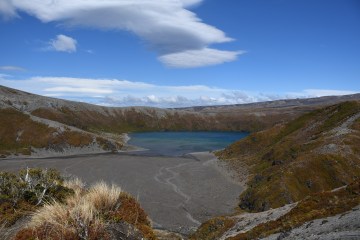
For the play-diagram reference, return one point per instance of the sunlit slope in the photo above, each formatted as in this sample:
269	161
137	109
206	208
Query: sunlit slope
318	151
31	121
95	118
23	134
88	117
325	215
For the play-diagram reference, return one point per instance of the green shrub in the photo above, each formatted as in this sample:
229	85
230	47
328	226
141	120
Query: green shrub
27	189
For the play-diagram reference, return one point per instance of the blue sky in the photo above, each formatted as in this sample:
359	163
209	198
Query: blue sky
172	53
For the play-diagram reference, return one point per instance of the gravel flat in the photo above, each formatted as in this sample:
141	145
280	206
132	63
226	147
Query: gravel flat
177	192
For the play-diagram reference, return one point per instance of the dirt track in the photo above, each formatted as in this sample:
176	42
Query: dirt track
177	192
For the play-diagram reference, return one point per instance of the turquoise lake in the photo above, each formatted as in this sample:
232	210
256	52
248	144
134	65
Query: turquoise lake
181	143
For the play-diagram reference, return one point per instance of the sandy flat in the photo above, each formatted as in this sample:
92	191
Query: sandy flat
177	192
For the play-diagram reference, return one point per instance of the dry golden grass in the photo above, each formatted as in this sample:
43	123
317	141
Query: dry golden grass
104	198
76	184
80	209
77	217
86	214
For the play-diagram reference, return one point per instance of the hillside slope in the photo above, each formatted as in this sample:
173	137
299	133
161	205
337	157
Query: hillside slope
303	180
38	126
318	151
246	117
42	126
326	215
104	119
23	134
262	115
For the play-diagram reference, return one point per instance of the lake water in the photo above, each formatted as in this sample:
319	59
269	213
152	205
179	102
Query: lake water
181	143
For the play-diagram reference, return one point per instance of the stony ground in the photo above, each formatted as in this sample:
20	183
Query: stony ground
247	221
178	193
344	226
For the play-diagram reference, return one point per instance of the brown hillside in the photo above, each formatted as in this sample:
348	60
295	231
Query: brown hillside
245	117
20	134
316	152
315	206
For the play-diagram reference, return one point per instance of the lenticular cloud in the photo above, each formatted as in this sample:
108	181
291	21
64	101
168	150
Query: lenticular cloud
167	26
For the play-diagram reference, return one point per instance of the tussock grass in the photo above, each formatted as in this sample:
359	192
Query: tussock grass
104	197
76	184
78	217
86	214
81	214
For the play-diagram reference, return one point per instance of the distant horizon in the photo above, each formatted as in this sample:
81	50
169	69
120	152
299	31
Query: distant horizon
191	106
180	53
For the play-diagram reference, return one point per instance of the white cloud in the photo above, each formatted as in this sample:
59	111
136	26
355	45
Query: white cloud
188	3
313	93
114	92
326	92
63	43
11	68
7	9
198	58
167	26
77	90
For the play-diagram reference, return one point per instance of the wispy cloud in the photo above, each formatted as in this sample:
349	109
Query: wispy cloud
167	26
62	43
115	92
11	68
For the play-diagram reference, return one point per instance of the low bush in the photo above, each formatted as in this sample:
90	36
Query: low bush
24	191
86	215
213	229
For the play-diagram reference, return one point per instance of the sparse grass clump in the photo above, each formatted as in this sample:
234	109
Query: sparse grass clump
77	218
87	215
104	198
